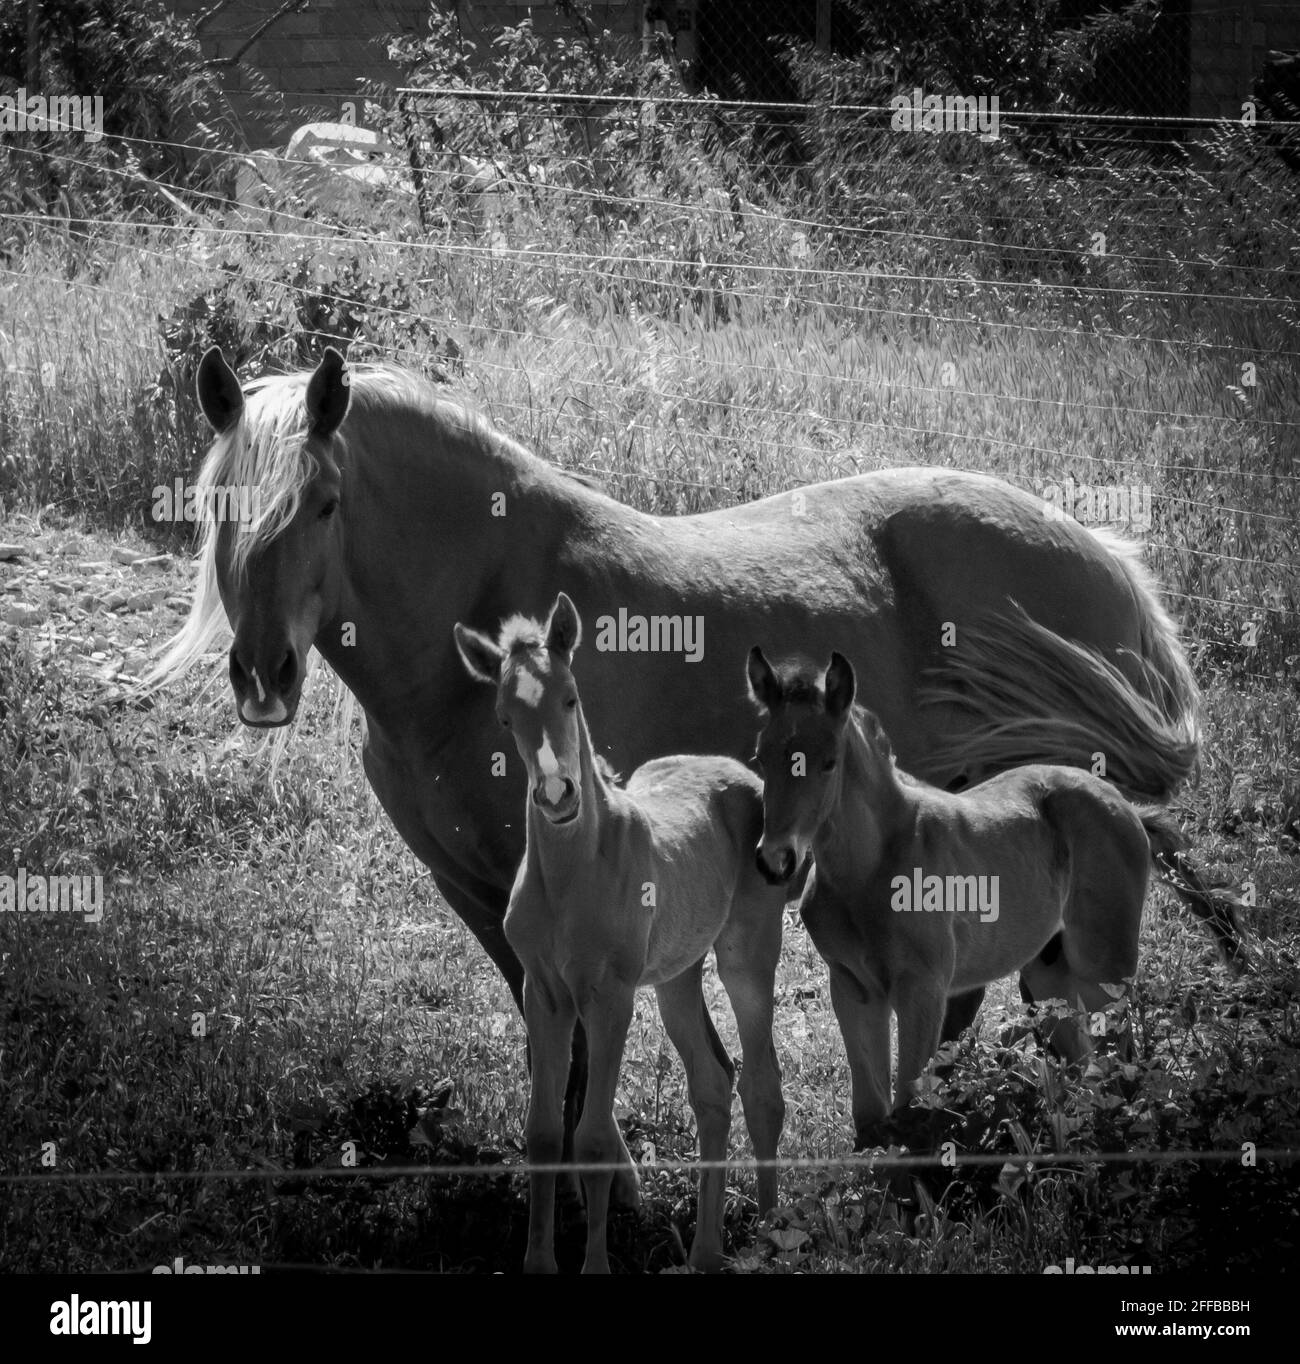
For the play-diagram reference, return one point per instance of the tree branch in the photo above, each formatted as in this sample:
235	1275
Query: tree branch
289	7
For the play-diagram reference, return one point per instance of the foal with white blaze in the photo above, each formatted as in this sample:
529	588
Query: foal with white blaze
1066	856
621	887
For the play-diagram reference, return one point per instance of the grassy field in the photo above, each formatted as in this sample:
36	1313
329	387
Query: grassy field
275	975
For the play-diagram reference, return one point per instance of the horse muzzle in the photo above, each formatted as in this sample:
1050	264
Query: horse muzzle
266	700
567	804
778	865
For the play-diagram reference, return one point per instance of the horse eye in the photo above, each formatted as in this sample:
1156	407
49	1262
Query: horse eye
571	703
828	765
329	509
505	721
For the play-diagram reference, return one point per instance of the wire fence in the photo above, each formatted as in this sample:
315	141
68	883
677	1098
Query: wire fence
867	1162
524	151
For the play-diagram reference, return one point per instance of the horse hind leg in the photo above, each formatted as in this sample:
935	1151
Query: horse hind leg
708	1083
1098	943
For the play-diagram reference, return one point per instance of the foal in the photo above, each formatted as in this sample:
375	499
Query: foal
620	888
917	894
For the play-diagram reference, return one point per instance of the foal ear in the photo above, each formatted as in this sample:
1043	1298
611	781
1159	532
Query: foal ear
563	628
328	392
482	658
764	686
840	685
218	391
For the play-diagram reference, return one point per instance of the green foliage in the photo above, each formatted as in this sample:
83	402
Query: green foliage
157	94
1018	50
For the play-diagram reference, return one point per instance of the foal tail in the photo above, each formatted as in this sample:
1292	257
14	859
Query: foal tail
1214	907
1033	696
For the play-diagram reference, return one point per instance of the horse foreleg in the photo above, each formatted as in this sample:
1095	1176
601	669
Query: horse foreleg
748	951
708	1083
961	1013
549	1016
919	1001
626	1192
598	1142
864	1024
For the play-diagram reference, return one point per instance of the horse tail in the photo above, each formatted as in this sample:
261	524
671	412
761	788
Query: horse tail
1030	695
1178	697
1215	907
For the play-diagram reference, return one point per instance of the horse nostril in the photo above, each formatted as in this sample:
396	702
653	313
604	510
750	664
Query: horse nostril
238	673
569	788
287	673
787	864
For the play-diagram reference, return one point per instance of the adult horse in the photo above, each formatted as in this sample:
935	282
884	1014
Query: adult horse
386	512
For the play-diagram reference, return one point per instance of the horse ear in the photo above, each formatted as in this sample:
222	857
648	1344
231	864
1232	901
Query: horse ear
840	685
218	391
327	394
482	658
563	628
764	686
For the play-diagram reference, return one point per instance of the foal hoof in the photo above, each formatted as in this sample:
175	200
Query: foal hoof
705	1261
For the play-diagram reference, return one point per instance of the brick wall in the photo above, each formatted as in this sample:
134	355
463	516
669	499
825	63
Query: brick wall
1228	44
319	57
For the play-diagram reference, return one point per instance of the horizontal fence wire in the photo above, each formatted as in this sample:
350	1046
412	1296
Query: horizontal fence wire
708	104
1019	1160
578	262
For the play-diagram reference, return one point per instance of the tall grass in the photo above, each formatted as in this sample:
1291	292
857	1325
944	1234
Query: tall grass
691	351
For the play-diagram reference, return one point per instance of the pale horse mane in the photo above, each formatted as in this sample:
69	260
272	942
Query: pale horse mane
266	450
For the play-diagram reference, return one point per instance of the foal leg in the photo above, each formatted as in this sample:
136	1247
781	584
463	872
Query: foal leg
681	1006
747	951
626	1192
919	1001
549	1015
864	1024
961	1013
607	1015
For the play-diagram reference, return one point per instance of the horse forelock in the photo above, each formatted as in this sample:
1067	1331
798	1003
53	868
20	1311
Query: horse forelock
265	452
521	635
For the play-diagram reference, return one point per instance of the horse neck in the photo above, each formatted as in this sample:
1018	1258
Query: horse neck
873	806
423	549
558	856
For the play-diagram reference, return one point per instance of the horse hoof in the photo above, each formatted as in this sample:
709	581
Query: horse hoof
706	1262
540	1264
